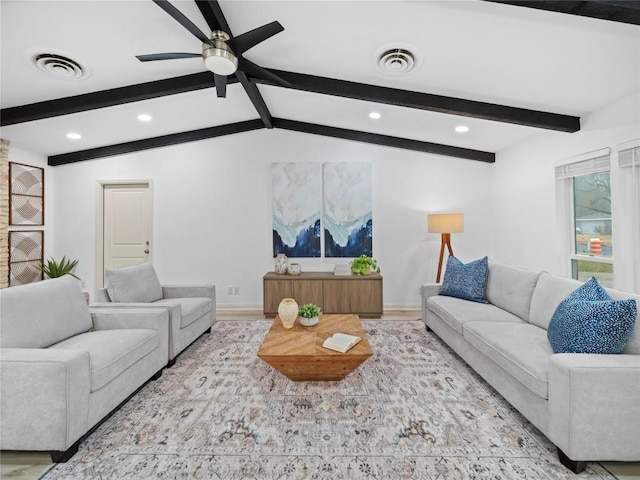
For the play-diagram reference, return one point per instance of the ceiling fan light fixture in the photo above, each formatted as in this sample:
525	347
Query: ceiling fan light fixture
218	56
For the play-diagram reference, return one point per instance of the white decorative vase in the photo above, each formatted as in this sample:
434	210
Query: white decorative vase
309	322
294	269
288	312
281	264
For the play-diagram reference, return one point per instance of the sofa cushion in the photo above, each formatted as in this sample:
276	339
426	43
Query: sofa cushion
136	283
588	321
192	308
520	349
467	281
40	314
511	288
456	312
111	352
549	292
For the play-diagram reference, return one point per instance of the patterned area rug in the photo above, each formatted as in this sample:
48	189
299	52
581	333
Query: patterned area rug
412	411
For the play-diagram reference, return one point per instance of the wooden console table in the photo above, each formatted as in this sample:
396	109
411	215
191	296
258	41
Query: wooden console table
357	294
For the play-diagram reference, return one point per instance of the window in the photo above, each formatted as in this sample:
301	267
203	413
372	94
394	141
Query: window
584	187
628	232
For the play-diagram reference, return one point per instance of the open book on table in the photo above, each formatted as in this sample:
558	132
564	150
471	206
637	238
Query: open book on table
341	342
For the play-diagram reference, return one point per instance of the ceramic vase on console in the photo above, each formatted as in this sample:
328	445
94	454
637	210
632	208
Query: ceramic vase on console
281	264
294	269
288	312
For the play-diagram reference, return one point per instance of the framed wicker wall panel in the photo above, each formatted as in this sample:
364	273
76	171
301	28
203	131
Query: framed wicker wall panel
26	195
25	256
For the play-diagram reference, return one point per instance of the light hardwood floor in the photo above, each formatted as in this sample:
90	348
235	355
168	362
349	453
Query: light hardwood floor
32	465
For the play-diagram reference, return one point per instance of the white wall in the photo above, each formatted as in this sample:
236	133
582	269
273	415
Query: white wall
523	194
212	211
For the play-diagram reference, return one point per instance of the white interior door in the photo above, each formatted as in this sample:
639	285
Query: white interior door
126	225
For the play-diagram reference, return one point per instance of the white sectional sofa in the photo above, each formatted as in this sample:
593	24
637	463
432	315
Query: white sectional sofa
588	405
191	308
65	367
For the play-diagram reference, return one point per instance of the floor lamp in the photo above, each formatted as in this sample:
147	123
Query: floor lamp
446	224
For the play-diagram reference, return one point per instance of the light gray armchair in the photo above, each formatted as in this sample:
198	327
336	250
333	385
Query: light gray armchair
65	367
192	308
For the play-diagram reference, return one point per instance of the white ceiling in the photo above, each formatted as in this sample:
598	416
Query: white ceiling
467	49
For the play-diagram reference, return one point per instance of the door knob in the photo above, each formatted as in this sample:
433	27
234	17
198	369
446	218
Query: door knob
146	251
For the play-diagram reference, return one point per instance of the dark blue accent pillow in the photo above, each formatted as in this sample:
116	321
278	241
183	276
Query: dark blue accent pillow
467	281
588	321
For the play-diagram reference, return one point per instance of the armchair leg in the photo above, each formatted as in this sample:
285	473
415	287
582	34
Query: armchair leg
573	465
208	330
58	456
157	375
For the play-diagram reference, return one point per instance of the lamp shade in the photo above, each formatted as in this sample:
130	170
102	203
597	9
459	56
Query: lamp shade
445	222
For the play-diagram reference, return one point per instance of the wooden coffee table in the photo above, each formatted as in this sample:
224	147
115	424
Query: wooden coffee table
298	353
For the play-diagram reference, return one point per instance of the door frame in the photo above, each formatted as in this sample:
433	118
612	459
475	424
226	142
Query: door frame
99	245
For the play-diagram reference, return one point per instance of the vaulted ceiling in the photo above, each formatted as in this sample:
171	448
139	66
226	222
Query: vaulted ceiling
500	68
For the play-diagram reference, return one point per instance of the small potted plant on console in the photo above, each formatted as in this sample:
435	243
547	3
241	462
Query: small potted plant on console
309	314
364	265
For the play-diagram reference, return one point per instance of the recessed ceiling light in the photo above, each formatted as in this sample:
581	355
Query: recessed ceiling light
462	129
74	136
375	115
144	117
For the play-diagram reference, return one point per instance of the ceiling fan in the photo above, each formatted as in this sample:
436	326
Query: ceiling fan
221	52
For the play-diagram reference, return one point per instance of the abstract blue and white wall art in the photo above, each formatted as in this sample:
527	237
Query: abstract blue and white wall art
347	210
297	202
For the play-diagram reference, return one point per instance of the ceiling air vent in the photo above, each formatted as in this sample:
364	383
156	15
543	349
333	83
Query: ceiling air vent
396	61
59	66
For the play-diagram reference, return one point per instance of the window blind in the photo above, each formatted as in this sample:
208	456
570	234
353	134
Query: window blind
629	157
583	167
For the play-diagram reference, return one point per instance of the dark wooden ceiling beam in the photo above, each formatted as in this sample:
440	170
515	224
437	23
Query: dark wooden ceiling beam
384	140
155	142
623	11
108	98
426	101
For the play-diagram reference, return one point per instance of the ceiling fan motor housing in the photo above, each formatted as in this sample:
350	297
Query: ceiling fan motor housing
218	56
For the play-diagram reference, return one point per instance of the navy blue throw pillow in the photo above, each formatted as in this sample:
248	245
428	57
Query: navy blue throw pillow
467	281
588	321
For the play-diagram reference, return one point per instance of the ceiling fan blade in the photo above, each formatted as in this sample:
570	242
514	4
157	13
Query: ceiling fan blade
166	56
221	85
257	71
244	42
182	20
217	12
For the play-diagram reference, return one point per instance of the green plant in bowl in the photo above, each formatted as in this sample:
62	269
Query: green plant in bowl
53	269
364	265
309	310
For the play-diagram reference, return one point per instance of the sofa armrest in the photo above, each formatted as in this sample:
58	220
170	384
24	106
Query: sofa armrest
132	316
102	295
594	411
428	290
45	398
186	291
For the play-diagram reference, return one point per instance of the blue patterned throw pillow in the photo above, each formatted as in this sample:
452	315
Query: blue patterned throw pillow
588	321
467	281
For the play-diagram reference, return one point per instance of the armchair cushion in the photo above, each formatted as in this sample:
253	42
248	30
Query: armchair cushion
40	314
136	283
191	308
111	352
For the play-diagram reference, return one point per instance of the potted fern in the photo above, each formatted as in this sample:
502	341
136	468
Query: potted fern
309	313
54	269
